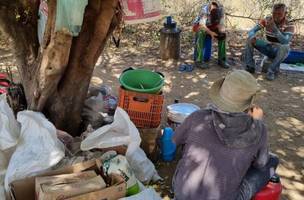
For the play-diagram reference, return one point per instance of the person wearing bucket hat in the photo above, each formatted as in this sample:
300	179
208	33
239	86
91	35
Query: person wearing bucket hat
225	154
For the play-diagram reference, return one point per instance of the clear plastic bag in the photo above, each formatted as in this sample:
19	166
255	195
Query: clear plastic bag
123	132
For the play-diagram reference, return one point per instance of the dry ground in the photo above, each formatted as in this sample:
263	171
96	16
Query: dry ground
282	99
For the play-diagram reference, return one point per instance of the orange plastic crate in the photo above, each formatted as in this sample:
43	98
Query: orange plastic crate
144	109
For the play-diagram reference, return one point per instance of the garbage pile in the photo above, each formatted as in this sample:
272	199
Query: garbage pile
37	161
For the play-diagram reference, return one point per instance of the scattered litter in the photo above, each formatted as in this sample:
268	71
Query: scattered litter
185	68
123	132
146	194
292	68
118	164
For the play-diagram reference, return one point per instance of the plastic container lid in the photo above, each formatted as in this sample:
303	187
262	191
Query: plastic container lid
180	111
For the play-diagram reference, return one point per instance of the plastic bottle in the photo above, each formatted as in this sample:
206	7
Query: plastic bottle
118	164
168	147
272	191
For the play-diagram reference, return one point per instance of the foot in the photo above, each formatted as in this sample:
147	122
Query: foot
270	76
223	64
250	69
276	73
201	65
264	69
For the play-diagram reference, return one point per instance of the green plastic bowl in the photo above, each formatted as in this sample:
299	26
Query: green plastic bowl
141	80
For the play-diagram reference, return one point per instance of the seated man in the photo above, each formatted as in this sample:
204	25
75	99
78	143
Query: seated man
225	154
279	32
210	24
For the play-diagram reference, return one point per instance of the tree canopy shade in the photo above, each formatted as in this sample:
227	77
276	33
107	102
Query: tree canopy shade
56	74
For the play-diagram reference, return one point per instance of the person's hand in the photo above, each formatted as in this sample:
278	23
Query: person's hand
253	40
196	27
270	24
213	35
256	112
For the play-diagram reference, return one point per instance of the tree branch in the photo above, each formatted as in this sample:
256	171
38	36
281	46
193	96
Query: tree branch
18	20
243	17
255	19
298	19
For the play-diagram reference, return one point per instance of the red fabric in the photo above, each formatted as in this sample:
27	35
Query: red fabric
272	191
195	27
2	76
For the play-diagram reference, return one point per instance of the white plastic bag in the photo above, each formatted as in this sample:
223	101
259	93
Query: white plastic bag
123	132
3	165
118	164
9	127
9	134
38	148
146	194
143	168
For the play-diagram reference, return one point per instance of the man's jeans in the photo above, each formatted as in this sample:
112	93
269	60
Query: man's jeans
274	51
255	179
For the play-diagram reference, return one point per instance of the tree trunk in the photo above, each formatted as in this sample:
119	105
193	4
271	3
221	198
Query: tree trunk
56	76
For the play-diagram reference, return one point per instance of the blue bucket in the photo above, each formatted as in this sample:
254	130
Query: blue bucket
294	57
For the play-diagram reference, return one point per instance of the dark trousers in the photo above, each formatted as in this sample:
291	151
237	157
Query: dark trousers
255	179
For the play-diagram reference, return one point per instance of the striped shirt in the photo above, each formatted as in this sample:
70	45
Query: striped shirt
286	27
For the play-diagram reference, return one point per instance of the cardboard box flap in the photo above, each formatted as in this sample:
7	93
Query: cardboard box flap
116	191
25	188
68	185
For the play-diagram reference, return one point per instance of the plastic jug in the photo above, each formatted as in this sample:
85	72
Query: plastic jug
168	147
272	191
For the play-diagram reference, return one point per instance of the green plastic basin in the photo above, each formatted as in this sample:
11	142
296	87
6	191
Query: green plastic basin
142	80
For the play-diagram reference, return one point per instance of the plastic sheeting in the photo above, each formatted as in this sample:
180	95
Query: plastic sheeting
69	15
38	148
140	11
123	132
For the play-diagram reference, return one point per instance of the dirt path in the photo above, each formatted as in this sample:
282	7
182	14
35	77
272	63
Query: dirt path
282	101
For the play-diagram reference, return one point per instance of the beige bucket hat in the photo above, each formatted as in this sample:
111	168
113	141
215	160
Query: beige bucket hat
235	92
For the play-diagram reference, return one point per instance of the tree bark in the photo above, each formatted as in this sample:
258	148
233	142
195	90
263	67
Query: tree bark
56	76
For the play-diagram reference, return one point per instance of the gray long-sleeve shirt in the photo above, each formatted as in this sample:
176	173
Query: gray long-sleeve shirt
219	149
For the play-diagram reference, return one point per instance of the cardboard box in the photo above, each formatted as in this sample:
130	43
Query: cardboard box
24	189
116	191
67	185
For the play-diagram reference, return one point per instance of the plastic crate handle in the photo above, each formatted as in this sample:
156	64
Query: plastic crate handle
141	99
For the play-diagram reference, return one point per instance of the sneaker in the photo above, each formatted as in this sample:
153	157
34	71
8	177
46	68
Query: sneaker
270	76
223	64
250	69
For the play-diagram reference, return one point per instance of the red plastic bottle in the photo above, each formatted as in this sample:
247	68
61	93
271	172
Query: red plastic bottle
272	191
